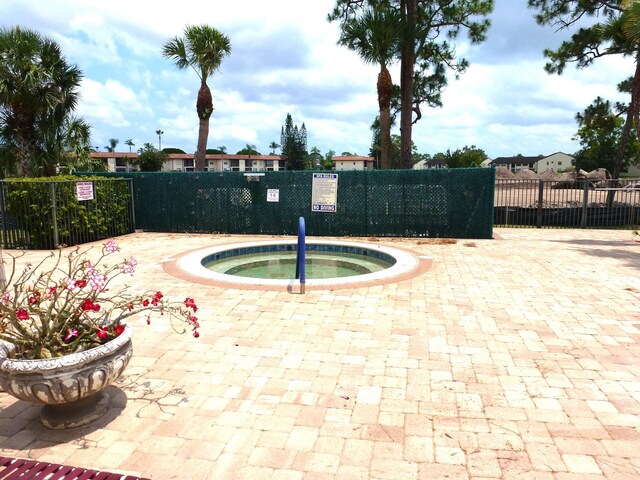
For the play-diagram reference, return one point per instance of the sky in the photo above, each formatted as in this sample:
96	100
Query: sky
284	59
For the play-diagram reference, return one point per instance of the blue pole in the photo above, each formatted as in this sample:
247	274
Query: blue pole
300	255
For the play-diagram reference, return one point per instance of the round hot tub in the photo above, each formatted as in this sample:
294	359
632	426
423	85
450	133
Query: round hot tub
330	264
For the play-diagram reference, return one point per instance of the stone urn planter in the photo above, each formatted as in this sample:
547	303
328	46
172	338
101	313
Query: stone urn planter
70	387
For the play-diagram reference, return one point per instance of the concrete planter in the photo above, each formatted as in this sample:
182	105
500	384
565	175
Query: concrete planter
70	387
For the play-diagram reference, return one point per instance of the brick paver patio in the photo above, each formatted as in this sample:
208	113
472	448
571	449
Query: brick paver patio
513	358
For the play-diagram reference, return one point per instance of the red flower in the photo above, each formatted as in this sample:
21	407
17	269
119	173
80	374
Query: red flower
87	305
119	329
158	295
190	303
145	303
130	306
102	333
148	320
81	283
22	314
196	334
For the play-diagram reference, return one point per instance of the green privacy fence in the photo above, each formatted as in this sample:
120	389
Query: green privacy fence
413	203
47	213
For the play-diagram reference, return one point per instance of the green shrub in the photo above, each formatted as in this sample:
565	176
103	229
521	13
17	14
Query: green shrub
29	210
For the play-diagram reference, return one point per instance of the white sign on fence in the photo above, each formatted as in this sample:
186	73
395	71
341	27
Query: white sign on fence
273	195
84	190
324	192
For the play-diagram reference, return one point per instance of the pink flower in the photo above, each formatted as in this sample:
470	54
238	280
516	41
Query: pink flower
22	314
97	281
89	267
129	265
71	334
6	299
111	246
70	283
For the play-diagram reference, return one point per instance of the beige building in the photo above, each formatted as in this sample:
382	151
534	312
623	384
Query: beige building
184	162
555	162
354	162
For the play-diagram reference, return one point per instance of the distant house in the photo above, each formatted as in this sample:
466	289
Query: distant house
354	162
431	163
540	164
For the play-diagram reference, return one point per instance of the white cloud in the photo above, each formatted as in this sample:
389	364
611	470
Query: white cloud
285	59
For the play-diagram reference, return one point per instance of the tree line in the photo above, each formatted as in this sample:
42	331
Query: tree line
40	134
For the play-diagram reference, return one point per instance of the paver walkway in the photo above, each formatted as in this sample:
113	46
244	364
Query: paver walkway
513	358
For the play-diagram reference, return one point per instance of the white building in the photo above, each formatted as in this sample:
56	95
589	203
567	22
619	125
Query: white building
354	162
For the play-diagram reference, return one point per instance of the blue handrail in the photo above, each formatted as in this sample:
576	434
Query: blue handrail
300	255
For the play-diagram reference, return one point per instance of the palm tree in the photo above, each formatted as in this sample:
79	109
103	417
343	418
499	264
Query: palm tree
113	142
38	93
273	146
130	144
159	133
202	48
375	37
248	149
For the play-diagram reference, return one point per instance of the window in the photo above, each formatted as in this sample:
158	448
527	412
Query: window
269	165
235	165
559	162
121	165
282	164
188	165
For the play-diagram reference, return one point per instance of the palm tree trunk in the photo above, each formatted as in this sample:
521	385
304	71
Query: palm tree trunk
385	89
201	152
204	106
407	65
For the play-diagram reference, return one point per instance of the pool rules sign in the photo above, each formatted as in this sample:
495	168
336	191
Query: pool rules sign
324	192
84	191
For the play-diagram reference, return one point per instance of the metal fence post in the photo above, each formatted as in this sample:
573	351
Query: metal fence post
540	203
585	204
133	206
54	215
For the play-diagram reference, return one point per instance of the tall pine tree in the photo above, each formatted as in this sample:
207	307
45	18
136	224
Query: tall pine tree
294	144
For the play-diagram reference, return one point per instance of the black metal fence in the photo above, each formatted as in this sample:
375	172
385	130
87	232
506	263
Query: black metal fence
47	214
414	203
584	203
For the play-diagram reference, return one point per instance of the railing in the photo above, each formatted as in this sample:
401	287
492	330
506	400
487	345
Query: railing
48	214
300	255
584	203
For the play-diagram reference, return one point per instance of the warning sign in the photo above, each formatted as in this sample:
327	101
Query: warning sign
84	190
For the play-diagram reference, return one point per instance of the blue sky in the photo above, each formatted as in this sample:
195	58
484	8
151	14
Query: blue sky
284	59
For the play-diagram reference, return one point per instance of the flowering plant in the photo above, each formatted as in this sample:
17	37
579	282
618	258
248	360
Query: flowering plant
52	311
